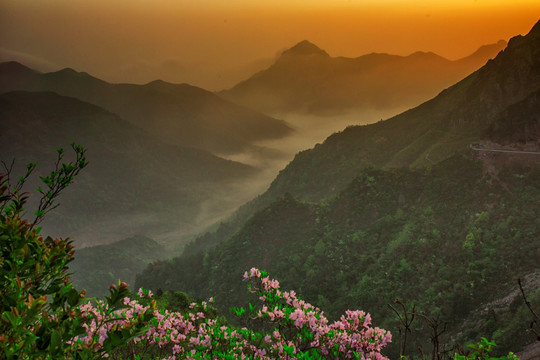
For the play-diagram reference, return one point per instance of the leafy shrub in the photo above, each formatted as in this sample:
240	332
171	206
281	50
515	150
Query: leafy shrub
482	350
40	312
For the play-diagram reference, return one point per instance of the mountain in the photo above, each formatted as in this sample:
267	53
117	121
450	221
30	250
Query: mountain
96	268
401	209
498	102
484	53
467	112
305	48
180	114
448	239
135	183
306	79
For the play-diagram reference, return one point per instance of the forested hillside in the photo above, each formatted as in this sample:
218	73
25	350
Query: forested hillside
493	103
374	207
431	132
448	239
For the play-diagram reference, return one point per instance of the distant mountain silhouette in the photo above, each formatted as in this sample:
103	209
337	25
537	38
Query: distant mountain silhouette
180	114
135	183
305	48
484	52
306	79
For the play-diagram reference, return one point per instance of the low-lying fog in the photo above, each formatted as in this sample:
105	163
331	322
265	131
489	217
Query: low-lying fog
270	157
174	230
273	155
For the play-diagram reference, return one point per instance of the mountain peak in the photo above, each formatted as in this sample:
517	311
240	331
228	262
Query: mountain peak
305	48
70	71
425	55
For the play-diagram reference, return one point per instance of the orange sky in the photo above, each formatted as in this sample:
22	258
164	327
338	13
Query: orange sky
216	43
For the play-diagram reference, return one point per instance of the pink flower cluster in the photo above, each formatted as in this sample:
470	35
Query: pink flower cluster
300	330
99	321
304	327
187	336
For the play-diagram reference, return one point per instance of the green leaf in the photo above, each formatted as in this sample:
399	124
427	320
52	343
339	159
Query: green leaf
73	297
10	317
56	340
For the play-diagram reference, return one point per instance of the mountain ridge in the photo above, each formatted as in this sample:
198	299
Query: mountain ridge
313	82
421	136
457	116
177	113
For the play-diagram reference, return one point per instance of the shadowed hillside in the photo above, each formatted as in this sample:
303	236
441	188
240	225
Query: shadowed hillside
135	183
96	268
180	114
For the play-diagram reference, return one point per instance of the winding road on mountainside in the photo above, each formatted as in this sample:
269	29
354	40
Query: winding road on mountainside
479	147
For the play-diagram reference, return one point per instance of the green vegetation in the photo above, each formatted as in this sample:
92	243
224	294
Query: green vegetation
39	307
448	239
481	351
32	268
400	210
42	316
445	242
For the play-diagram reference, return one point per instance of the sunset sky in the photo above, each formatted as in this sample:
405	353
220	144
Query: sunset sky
216	43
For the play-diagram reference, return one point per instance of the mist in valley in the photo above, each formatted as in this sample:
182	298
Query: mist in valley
171	227
271	156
